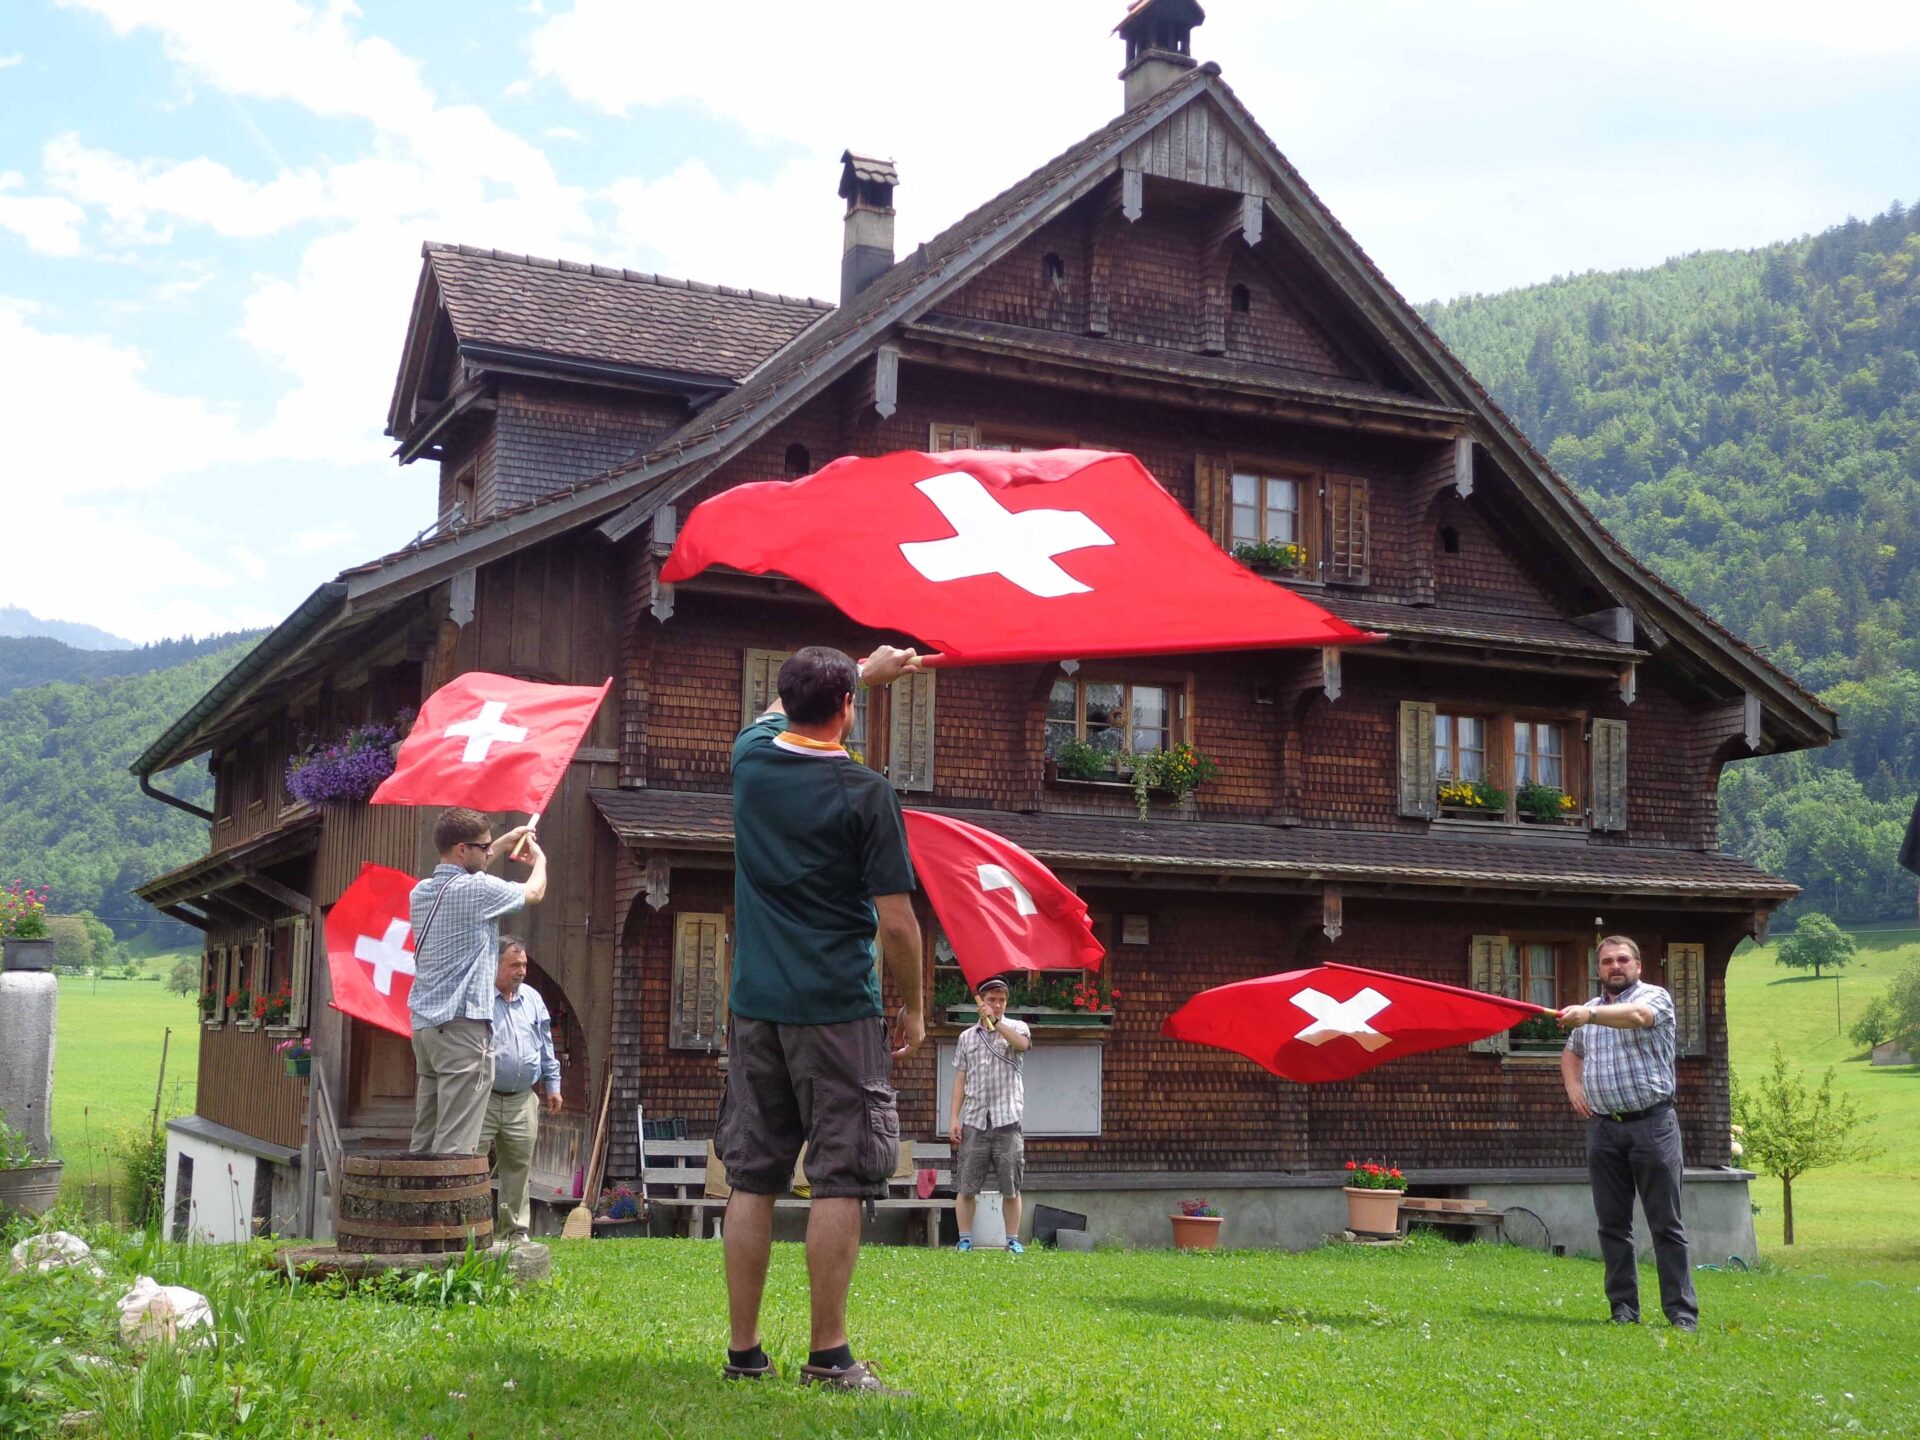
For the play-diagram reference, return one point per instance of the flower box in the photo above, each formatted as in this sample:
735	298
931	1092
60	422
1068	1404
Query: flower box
34	953
298	1066
1035	1015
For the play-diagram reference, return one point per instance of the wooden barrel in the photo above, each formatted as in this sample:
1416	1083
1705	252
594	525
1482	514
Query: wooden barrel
394	1204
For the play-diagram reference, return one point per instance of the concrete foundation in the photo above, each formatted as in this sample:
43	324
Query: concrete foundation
29	1006
224	1186
1297	1212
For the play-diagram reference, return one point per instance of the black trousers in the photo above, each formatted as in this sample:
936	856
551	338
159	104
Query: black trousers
1625	1157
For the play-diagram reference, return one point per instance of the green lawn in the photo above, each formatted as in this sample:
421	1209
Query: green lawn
1867	1212
106	1063
1434	1339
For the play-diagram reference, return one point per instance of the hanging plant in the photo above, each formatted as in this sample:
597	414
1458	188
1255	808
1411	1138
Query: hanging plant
349	769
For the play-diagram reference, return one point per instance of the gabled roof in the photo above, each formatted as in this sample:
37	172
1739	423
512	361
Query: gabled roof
562	309
825	343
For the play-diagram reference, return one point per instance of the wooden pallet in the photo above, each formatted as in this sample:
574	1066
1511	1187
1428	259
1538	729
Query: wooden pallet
1427	1204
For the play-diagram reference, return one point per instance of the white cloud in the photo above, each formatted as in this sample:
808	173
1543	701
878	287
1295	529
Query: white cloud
710	231
7	62
563	132
317	540
49	224
201	191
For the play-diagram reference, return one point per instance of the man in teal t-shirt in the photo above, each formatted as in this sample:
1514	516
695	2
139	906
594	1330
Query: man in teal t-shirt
820	865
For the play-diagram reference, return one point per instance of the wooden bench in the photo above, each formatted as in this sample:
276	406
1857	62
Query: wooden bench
676	1172
1426	1210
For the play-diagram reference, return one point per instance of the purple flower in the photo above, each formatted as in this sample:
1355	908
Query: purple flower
350	769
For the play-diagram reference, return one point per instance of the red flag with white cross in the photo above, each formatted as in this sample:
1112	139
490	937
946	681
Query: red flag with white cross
997	556
370	948
1001	908
491	742
1335	1021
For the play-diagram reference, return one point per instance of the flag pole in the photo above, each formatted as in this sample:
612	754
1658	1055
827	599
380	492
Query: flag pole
533	824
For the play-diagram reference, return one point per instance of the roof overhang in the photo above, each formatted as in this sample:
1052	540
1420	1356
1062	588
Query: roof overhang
228	886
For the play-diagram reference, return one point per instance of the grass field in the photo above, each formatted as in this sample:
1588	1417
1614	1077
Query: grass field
106	1063
1868	1211
1433	1339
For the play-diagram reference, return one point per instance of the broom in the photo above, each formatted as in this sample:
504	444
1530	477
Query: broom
579	1224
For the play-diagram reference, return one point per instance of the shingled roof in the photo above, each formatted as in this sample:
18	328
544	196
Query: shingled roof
598	312
1212	850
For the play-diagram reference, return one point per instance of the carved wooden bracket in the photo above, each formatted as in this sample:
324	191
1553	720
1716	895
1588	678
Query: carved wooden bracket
1629	682
460	597
1331	912
659	873
1121	206
665	530
886	380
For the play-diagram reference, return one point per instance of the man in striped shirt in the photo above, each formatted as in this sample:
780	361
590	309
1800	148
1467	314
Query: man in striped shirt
989	1100
1619	1073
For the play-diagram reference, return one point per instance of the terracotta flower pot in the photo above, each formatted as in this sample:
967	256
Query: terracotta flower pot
1196	1232
1373	1212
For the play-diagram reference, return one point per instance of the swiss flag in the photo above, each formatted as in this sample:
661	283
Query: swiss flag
491	742
1001	908
1334	1022
991	556
370	948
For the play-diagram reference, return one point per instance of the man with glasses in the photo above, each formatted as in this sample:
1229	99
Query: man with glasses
1619	1075
456	936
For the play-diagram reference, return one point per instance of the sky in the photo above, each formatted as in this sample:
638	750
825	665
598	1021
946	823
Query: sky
211	211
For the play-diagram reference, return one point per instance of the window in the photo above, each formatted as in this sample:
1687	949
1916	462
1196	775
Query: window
1242	300
1115	717
1459	747
892	728
1266	510
1016	440
1046	991
798	461
1533	973
1538	747
1053	270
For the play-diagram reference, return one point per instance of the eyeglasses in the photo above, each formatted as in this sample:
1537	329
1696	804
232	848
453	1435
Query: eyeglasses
478	844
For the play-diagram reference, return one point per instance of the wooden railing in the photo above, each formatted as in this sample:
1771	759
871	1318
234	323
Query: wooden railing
326	1129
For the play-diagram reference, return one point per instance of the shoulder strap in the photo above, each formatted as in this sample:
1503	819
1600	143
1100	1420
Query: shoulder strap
420	940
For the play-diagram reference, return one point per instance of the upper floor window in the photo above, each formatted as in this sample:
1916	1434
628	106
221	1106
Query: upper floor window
1539	748
1513	766
892	727
1266	510
1114	717
1459	747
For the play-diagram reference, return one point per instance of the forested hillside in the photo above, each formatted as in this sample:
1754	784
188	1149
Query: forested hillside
36	659
1749	424
71	815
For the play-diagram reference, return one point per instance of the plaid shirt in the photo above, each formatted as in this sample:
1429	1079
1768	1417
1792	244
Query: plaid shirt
1626	1070
995	1093
453	971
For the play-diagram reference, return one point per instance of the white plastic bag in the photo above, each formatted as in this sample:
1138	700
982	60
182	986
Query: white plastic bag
55	1250
150	1312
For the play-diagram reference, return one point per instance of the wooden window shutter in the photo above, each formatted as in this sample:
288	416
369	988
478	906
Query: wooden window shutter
952	437
302	952
1213	495
761	668
1418	793
1348	529
910	731
698	1019
1608	757
1487	972
1687	979
217	980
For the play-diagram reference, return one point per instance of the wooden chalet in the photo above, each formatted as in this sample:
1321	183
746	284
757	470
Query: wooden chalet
1168	286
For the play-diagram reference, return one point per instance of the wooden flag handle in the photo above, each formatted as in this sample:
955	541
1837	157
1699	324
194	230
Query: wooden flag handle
533	824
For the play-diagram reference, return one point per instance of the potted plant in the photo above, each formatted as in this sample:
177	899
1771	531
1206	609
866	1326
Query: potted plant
1272	557
209	1004
28	1184
1197	1226
1373	1198
1176	772
1081	760
1477	798
1545	804
1065	1000
621	1211
296	1053
240	1006
23	928
275	1008
1539	1033
349	769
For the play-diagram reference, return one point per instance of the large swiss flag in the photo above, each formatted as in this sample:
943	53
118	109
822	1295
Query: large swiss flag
370	948
1001	908
1333	1022
491	742
992	556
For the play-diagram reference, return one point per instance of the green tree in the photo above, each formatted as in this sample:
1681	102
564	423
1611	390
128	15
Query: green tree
1903	1000
1874	1025
72	941
1791	1130
184	977
1816	942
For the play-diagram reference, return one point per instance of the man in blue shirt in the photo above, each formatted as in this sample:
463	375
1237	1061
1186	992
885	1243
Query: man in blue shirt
455	914
526	1080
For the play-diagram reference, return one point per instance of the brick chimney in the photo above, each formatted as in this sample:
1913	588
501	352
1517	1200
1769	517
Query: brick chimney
866	184
1159	36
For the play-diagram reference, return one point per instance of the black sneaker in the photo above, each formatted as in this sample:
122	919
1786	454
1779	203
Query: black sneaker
1623	1316
1687	1324
863	1376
